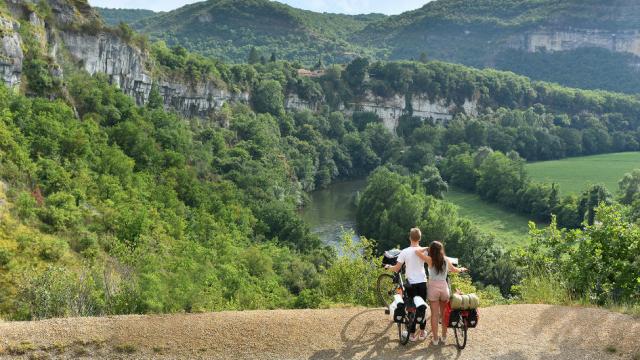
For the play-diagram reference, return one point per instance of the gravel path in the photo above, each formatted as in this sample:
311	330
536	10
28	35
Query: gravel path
505	332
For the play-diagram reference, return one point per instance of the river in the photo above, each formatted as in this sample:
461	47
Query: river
332	209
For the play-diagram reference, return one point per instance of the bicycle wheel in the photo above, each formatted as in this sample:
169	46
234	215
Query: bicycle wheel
386	288
404	328
460	331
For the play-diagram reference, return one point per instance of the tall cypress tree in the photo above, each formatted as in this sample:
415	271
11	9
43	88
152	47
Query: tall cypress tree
254	57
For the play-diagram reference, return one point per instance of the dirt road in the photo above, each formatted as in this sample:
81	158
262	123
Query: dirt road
505	332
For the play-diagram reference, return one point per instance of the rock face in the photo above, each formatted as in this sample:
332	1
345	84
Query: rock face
571	39
108	54
293	102
11	56
124	65
391	109
105	53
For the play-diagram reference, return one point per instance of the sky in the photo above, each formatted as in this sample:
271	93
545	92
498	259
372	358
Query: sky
336	6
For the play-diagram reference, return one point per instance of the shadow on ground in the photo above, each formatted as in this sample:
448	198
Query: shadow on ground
363	338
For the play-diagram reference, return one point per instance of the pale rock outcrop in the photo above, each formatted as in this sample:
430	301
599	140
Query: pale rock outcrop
294	102
572	38
11	55
125	66
391	109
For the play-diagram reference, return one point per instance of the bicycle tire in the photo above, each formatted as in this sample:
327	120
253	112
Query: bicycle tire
386	289
405	327
460	332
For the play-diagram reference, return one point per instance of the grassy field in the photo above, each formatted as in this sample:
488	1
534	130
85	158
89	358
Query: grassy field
576	174
510	229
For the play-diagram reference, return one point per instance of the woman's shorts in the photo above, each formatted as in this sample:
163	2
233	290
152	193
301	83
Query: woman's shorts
438	290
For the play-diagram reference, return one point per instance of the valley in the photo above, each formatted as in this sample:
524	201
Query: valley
574	175
149	180
546	40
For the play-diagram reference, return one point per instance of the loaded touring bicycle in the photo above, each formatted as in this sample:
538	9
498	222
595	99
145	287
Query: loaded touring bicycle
460	313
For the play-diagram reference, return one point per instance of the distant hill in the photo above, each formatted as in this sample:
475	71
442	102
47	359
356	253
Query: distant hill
587	44
115	16
227	29
582	43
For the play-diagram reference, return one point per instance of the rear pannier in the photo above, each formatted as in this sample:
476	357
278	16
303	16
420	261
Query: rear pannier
397	308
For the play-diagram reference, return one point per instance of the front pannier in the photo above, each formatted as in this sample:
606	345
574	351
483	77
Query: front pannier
390	257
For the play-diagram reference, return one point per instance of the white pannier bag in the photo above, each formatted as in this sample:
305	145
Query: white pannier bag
396	309
421	309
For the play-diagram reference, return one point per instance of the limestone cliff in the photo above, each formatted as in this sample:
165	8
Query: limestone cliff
125	65
391	109
103	52
11	55
563	39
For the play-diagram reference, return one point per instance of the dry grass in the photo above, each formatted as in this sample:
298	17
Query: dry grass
125	349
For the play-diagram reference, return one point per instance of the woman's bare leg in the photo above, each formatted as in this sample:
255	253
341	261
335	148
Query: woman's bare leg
435	314
443	304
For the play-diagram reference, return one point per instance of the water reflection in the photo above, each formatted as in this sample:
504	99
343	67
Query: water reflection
333	209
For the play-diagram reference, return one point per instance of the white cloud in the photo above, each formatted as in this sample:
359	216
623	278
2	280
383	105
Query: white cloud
337	6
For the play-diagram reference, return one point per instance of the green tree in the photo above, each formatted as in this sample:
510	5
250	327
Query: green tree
432	182
268	98
254	56
500	179
590	200
629	187
355	74
388	208
423	57
155	99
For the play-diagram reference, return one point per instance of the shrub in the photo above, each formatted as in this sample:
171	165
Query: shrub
308	299
52	250
353	276
5	257
537	289
48	294
26	206
60	212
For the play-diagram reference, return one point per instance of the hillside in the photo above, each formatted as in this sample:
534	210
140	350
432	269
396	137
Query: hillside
227	30
557	41
510	35
526	332
115	16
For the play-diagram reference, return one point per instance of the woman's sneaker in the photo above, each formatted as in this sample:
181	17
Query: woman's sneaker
443	340
423	336
435	342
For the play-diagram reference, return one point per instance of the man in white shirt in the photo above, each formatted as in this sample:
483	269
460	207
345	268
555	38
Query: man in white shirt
415	274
